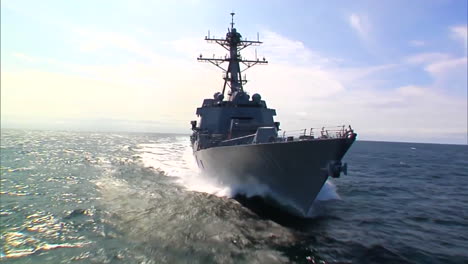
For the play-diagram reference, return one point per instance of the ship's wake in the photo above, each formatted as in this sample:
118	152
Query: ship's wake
174	158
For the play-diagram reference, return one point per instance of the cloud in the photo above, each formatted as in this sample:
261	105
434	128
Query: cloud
131	92
428	57
446	65
450	76
283	49
146	32
24	57
307	89
460	33
352	75
90	40
323	93
447	72
360	24
410	90
404	113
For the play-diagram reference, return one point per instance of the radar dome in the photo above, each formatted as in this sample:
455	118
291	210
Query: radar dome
256	98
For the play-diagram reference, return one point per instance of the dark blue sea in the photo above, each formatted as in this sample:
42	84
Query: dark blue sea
78	197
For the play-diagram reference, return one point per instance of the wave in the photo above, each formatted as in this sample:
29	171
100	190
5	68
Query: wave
174	158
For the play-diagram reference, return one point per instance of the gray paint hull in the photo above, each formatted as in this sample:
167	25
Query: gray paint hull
294	172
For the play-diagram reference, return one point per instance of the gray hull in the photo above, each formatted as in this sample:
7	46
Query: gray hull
294	172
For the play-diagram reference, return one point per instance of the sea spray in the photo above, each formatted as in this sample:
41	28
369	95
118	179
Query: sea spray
328	192
175	159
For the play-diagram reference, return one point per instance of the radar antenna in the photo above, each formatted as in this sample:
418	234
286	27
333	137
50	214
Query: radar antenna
232	74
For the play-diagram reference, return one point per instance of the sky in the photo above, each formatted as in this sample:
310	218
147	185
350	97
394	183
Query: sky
395	70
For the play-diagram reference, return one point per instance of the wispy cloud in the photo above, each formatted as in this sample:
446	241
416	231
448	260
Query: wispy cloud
410	90
460	33
427	57
447	65
314	92
360	24
24	57
92	41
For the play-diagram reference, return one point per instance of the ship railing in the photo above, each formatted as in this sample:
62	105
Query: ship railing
317	133
238	140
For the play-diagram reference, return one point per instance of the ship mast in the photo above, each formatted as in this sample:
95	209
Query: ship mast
232	74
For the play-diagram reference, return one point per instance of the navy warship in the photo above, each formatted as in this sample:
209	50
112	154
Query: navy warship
237	142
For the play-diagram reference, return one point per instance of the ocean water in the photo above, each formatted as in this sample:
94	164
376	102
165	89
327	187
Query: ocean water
75	197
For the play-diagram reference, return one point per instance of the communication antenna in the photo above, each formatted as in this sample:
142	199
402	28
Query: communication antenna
232	20
233	43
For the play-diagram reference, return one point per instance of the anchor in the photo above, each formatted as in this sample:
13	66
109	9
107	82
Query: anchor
335	168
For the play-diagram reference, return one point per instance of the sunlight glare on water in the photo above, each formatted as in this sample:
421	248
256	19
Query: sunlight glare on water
76	197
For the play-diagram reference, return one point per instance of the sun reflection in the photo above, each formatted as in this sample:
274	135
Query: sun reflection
31	237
